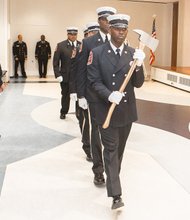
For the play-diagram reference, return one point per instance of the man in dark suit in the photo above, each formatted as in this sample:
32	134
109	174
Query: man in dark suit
108	65
62	65
42	54
85	92
20	55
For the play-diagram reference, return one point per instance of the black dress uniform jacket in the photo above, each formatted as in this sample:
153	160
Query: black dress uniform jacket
1	74
43	50
19	50
83	86
106	75
73	71
62	60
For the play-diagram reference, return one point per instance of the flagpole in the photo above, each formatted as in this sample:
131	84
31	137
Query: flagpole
153	35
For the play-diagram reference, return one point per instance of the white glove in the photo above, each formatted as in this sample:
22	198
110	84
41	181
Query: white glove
73	97
115	97
139	55
59	78
83	103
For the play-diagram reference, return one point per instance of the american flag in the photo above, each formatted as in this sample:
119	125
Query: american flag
152	55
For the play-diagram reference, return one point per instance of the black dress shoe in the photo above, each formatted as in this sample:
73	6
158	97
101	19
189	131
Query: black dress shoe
99	179
117	202
16	76
89	157
62	116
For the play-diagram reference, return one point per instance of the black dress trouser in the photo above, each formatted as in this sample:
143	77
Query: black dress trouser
21	61
114	141
65	99
82	116
96	146
42	64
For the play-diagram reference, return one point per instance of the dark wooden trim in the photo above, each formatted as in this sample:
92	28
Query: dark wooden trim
174	35
157	2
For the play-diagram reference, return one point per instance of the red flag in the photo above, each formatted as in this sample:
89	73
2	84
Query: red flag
152	55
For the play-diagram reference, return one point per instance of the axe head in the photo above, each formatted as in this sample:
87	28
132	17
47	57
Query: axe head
147	39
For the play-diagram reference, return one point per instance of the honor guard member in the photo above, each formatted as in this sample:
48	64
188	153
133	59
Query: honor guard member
85	32
62	65
81	114
42	54
85	92
20	55
108	66
93	28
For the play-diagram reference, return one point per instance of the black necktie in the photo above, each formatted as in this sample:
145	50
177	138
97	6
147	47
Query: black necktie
106	38
118	53
73	46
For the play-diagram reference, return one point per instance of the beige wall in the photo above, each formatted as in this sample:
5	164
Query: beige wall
184	34
33	18
4	33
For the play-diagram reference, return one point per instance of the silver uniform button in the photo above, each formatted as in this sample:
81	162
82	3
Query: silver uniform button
113	75
125	100
113	83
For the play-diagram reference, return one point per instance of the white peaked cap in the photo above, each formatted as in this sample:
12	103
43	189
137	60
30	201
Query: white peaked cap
72	29
85	30
93	26
119	20
105	11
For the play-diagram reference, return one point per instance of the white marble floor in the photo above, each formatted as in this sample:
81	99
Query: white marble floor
57	184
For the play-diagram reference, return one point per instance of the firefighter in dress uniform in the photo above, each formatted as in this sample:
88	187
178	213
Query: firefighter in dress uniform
20	55
42	54
85	93
108	66
62	66
82	114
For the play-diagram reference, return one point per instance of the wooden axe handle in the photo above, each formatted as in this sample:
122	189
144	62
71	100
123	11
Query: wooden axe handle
122	88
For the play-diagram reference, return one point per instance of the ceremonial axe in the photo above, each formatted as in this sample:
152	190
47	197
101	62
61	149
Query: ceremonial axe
144	40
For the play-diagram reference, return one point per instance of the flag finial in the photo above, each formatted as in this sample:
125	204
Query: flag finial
154	16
